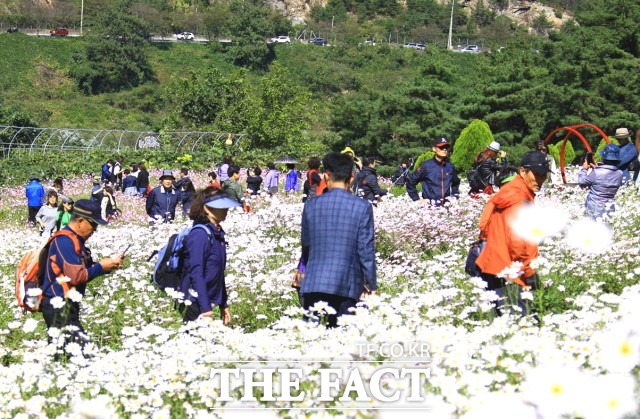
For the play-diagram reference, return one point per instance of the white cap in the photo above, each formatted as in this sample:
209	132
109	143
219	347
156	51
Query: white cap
495	146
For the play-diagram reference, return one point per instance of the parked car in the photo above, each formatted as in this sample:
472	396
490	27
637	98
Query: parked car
185	36
12	30
471	48
369	42
59	32
281	39
318	41
415	45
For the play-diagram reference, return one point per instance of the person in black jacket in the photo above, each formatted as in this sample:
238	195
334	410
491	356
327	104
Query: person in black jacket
485	169
254	181
143	179
368	181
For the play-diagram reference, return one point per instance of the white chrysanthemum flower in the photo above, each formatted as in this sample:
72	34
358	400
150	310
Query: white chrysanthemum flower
589	236
29	325
34	292
535	223
98	407
13	325
62	279
511	272
57	302
74	295
556	391
619	351
610	396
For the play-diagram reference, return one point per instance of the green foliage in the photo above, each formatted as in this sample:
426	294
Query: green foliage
472	140
208	100
114	58
422	158
569	153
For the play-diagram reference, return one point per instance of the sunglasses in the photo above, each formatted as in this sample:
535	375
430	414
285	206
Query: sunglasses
443	147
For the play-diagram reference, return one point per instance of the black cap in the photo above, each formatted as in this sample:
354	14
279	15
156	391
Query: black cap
89	210
440	141
536	161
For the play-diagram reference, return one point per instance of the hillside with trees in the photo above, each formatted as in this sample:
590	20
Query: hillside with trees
300	98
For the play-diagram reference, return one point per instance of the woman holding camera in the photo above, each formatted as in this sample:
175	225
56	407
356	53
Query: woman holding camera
603	182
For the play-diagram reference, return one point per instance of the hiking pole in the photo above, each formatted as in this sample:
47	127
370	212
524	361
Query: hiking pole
404	174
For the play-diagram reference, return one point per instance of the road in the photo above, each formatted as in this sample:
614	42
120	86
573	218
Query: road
154	38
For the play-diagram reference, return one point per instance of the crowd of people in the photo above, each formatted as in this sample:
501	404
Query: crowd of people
337	264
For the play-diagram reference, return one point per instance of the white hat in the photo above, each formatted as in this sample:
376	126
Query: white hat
494	146
622	133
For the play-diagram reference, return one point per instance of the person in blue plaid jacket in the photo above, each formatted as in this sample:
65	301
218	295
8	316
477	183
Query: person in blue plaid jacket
337	243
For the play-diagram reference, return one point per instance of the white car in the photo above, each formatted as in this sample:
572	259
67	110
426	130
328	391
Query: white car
471	48
185	36
282	39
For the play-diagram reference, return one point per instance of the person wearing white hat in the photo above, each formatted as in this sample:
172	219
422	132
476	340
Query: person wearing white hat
628	151
203	280
482	178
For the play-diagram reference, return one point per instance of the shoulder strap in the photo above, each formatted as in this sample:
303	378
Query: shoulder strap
73	236
204	227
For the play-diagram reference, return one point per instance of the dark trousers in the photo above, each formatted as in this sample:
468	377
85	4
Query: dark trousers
340	304
509	294
33	211
189	312
68	315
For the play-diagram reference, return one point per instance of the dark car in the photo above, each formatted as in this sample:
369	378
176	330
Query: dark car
12	30
318	41
59	32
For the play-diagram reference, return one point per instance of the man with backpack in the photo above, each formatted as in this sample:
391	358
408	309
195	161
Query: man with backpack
69	267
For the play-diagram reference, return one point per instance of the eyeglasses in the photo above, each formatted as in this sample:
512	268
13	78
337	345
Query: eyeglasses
443	147
92	224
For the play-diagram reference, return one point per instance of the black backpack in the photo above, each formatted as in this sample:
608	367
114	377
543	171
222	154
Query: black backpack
475	180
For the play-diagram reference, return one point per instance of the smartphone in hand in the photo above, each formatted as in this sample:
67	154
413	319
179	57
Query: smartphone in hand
590	158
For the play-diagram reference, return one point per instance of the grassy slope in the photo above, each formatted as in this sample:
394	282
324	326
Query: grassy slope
36	78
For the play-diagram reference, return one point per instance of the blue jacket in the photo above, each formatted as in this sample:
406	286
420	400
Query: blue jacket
204	264
35	193
603	183
338	245
368	184
628	152
129	182
63	260
439	181
162	203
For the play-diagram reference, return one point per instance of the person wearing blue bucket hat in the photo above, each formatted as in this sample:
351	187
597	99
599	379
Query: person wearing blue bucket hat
203	280
603	181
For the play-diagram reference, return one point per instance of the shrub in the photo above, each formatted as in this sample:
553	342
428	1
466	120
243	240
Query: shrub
473	139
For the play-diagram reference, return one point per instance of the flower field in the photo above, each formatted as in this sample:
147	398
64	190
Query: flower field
579	360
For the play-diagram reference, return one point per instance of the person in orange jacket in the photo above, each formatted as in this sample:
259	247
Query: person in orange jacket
502	247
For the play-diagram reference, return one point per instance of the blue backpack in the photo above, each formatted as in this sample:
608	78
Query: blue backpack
168	270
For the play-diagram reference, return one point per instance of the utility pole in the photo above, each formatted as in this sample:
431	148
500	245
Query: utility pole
81	14
449	43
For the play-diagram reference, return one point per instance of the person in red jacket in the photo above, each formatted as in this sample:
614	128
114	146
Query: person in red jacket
503	247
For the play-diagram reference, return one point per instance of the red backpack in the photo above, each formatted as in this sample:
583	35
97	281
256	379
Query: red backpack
31	270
